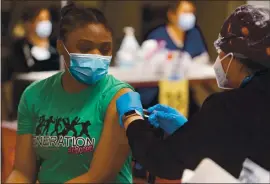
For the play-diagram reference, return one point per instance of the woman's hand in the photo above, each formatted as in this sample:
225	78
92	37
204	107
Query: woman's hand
127	102
167	118
25	166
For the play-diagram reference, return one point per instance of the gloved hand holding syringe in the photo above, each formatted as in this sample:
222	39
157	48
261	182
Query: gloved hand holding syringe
162	116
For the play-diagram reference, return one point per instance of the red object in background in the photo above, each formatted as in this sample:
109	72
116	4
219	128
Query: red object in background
8	150
170	56
160	180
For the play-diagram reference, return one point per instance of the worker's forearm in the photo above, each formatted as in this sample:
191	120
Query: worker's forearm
159	157
130	120
18	177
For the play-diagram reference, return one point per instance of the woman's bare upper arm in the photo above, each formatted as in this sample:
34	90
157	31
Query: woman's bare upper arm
113	148
111	123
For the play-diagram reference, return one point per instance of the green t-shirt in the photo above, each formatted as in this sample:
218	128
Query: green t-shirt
66	127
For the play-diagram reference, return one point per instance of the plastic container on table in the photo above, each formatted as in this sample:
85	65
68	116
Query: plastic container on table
127	54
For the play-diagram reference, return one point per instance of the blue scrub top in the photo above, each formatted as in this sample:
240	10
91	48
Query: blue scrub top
193	44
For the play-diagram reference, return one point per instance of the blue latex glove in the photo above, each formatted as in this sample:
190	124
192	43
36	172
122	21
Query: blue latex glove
127	102
167	118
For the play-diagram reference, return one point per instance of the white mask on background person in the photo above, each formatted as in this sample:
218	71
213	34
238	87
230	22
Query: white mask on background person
186	21
221	75
44	29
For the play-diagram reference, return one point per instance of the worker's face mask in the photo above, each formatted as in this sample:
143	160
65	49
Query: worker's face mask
88	68
186	21
44	29
221	75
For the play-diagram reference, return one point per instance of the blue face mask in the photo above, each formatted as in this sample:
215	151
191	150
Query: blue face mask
186	21
88	68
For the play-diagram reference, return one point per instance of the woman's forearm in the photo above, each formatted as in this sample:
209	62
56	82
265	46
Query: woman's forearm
85	178
18	177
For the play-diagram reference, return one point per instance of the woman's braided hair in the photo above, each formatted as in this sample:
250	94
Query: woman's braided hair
73	17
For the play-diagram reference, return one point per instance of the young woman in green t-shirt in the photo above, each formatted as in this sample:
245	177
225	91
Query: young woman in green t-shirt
67	130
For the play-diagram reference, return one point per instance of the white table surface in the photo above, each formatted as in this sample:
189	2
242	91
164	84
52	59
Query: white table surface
9	124
195	72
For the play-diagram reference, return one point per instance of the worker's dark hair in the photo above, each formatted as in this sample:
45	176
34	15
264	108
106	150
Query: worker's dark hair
241	35
31	12
174	4
252	66
73	17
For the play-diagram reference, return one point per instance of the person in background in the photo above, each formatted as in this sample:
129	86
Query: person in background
231	126
67	129
180	34
34	51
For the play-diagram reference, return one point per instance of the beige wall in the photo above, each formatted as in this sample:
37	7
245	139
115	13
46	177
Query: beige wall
88	3
232	5
211	15
121	14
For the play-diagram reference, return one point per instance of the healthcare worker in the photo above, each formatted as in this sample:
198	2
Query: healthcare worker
67	129
181	32
231	126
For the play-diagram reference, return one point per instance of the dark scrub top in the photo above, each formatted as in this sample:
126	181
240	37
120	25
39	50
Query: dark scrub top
230	127
193	44
18	62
